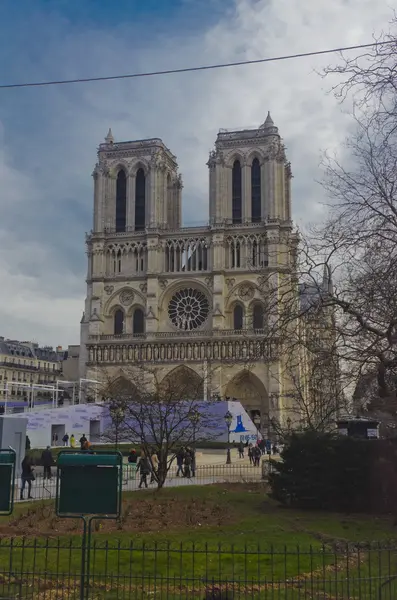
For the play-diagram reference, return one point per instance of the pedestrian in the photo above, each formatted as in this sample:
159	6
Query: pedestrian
187	463
132	462
180	457
250	454
144	469
47	462
27	443
275	449
65	440
240	448
257	453
193	455
82	441
154	459
27	476
72	441
268	447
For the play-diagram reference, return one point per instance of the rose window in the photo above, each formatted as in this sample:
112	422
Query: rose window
188	309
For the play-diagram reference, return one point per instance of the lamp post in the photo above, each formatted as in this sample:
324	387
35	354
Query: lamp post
117	415
228	420
257	422
194	417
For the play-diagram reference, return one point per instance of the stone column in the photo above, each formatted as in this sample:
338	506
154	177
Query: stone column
287	184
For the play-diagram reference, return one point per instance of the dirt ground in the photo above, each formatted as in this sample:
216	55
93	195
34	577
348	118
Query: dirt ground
141	513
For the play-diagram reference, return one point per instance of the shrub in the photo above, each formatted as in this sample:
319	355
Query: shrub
324	471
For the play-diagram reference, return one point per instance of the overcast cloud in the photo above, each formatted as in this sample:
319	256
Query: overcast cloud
49	136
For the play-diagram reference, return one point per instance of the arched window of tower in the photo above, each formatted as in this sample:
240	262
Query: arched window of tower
238	317
118	322
117	262
140	193
138	322
256	191
121	201
236	192
258	316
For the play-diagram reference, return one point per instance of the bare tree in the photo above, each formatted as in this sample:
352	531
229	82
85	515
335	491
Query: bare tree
356	243
159	416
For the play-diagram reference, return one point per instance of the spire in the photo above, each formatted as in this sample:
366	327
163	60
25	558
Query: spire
325	277
109	139
269	121
330	282
269	125
328	285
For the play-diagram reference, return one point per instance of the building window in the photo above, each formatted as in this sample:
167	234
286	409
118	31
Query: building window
258	317
256	191
140	191
118	322
236	192
138	322
238	317
121	201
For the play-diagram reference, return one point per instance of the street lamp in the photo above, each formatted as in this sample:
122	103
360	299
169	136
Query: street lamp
228	420
117	416
194	417
257	422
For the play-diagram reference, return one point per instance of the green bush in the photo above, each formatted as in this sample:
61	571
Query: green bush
323	471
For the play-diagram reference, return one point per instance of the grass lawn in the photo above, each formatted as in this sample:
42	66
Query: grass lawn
199	533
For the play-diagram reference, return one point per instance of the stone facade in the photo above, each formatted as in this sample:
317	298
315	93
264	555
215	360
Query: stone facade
23	365
170	295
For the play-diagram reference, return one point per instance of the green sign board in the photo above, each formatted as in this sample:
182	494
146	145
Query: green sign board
7	481
89	484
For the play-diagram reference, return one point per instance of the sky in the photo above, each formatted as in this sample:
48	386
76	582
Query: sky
49	135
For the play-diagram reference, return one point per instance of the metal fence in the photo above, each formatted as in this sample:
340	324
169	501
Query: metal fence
43	488
51	570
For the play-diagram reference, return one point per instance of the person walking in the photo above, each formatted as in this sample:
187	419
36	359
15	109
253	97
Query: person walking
82	441
187	463
180	457
257	453
65	440
240	448
27	476
47	462
155	466
72	441
250	454
144	469
132	462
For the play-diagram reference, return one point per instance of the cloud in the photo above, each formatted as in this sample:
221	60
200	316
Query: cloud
48	136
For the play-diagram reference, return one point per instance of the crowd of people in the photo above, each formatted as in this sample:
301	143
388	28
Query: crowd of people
255	452
148	464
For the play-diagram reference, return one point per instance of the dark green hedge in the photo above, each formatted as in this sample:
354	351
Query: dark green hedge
330	472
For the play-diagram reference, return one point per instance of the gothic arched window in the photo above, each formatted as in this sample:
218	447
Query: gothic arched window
258	316
121	201
238	317
256	191
118	322
236	193
138	322
140	193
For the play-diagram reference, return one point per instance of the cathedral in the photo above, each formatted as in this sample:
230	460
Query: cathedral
190	301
